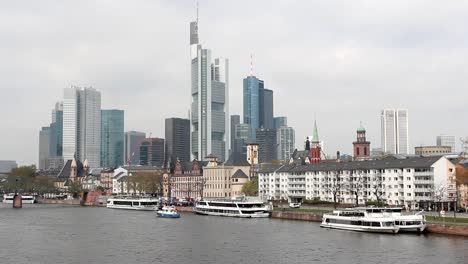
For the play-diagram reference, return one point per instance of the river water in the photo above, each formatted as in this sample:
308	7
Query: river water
68	234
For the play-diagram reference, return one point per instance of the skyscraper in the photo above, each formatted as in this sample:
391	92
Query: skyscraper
395	136
280	121
285	140
446	140
177	140
210	101
258	104
152	152
56	131
82	125
267	144
133	141
44	147
112	138
235	120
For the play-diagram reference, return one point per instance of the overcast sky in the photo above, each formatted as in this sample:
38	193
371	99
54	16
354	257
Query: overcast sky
341	61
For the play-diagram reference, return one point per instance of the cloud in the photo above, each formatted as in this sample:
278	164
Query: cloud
341	61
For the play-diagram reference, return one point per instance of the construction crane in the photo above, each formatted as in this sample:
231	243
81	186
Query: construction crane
135	148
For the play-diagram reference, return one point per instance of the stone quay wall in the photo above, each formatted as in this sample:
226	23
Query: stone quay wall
58	201
288	215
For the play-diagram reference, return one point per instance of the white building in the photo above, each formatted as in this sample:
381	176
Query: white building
82	125
285	140
395	135
209	115
410	182
446	140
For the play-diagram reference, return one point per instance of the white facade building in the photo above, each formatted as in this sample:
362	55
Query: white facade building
446	140
285	140
409	182
395	135
82	125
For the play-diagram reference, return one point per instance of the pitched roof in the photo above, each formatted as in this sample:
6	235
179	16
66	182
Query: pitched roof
236	160
66	170
239	174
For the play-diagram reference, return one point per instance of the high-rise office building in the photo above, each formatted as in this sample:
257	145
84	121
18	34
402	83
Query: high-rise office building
280	121
152	152
56	131
210	101
242	135
112	138
44	147
235	120
395	136
258	104
446	140
267	144
133	140
82	125
266	108
177	140
285	140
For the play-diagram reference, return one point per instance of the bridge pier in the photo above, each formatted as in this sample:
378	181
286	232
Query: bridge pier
17	202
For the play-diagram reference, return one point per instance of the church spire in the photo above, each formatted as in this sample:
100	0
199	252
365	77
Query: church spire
315	138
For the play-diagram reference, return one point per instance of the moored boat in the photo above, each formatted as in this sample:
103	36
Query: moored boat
406	222
133	203
236	207
358	220
26	199
168	212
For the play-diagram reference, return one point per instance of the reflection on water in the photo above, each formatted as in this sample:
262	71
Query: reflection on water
64	234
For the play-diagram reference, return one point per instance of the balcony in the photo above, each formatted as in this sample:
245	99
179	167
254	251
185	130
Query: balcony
424	173
302	188
423	181
422	190
291	176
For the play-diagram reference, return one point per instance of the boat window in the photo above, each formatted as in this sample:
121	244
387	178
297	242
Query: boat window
387	223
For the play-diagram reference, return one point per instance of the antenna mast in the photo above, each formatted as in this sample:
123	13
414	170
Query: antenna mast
251	64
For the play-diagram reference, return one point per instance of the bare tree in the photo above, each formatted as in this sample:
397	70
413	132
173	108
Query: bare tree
377	186
355	185
334	185
439	192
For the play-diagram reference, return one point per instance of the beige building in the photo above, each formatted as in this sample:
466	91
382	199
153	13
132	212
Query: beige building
224	180
432	150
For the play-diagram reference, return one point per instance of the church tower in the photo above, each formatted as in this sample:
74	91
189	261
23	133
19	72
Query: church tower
315	151
361	146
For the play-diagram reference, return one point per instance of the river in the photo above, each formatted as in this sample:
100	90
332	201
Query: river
69	234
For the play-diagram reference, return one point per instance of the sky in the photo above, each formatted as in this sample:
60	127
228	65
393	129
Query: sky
340	62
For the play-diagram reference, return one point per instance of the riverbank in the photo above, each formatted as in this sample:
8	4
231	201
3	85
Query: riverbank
59	201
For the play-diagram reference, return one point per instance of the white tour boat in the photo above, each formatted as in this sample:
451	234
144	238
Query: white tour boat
235	207
26	199
133	203
359	220
406	222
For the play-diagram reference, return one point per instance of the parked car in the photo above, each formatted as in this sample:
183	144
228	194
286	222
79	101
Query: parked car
294	205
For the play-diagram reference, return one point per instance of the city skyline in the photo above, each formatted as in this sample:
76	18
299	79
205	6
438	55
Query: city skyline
310	68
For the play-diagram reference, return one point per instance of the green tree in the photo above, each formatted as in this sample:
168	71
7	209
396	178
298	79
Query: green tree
75	188
250	188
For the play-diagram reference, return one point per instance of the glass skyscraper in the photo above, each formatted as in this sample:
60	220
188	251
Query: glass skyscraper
133	140
258	104
209	115
177	138
82	125
112	138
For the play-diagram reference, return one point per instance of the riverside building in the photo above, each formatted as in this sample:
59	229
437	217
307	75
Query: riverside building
409	182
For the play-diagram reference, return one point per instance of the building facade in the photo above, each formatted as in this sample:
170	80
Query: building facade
446	140
409	182
267	144
56	131
44	147
266	108
152	152
177	138
395	135
235	120
285	140
112	138
209	115
132	144
280	121
432	150
82	125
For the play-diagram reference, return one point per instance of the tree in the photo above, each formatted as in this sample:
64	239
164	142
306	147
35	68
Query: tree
250	188
377	187
334	185
355	185
439	192
75	188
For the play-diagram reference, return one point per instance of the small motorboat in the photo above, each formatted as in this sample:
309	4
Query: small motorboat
168	212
